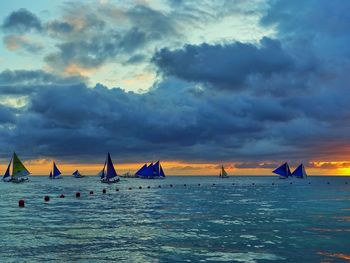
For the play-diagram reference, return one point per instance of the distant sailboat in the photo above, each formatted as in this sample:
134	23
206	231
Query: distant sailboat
108	173
299	172
77	174
223	173
55	173
19	171
152	171
283	171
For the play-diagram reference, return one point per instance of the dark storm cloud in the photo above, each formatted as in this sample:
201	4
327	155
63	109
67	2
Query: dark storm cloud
224	66
158	124
21	21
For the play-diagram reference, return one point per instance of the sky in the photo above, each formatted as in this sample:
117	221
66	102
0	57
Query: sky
195	84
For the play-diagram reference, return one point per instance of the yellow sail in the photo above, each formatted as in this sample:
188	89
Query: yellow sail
18	169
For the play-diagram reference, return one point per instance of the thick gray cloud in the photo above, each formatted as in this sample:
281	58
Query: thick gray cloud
224	66
21	21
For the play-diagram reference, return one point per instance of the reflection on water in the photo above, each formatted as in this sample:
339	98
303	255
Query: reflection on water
199	223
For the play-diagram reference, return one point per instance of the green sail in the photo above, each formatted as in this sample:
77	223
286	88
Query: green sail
18	169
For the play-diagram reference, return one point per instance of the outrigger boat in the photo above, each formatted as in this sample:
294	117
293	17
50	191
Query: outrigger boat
77	174
19	171
55	173
152	171
223	173
299	172
283	171
108	174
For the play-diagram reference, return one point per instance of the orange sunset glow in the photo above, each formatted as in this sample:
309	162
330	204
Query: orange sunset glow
178	168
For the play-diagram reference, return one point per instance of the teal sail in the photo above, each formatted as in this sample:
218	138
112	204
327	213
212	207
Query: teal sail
283	171
299	172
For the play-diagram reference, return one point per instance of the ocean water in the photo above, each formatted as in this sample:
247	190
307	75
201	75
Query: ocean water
239	219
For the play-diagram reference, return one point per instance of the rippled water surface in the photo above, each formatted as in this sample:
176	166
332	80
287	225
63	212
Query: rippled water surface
239	219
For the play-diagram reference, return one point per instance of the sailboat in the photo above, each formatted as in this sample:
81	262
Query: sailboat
19	171
55	173
77	174
108	173
283	171
152	171
223	173
299	172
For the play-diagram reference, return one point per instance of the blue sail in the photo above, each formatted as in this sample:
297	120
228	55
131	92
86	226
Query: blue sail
161	173
147	172
111	173
156	169
56	172
7	173
50	176
283	170
299	172
141	171
75	173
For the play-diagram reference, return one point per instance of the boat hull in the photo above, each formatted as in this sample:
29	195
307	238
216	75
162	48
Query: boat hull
151	177
110	181
19	180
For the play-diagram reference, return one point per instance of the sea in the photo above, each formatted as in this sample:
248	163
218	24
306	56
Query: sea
178	219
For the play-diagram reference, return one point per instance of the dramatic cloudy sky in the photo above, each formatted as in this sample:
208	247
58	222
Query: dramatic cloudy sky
249	84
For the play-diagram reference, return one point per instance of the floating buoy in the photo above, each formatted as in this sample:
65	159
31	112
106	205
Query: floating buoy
346	182
185	184
130	188
21	203
62	196
117	189
140	187
233	183
309	182
273	183
171	185
291	183
328	182
77	194
199	184
46	198
253	183
104	191
159	186
148	187
91	192
213	184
